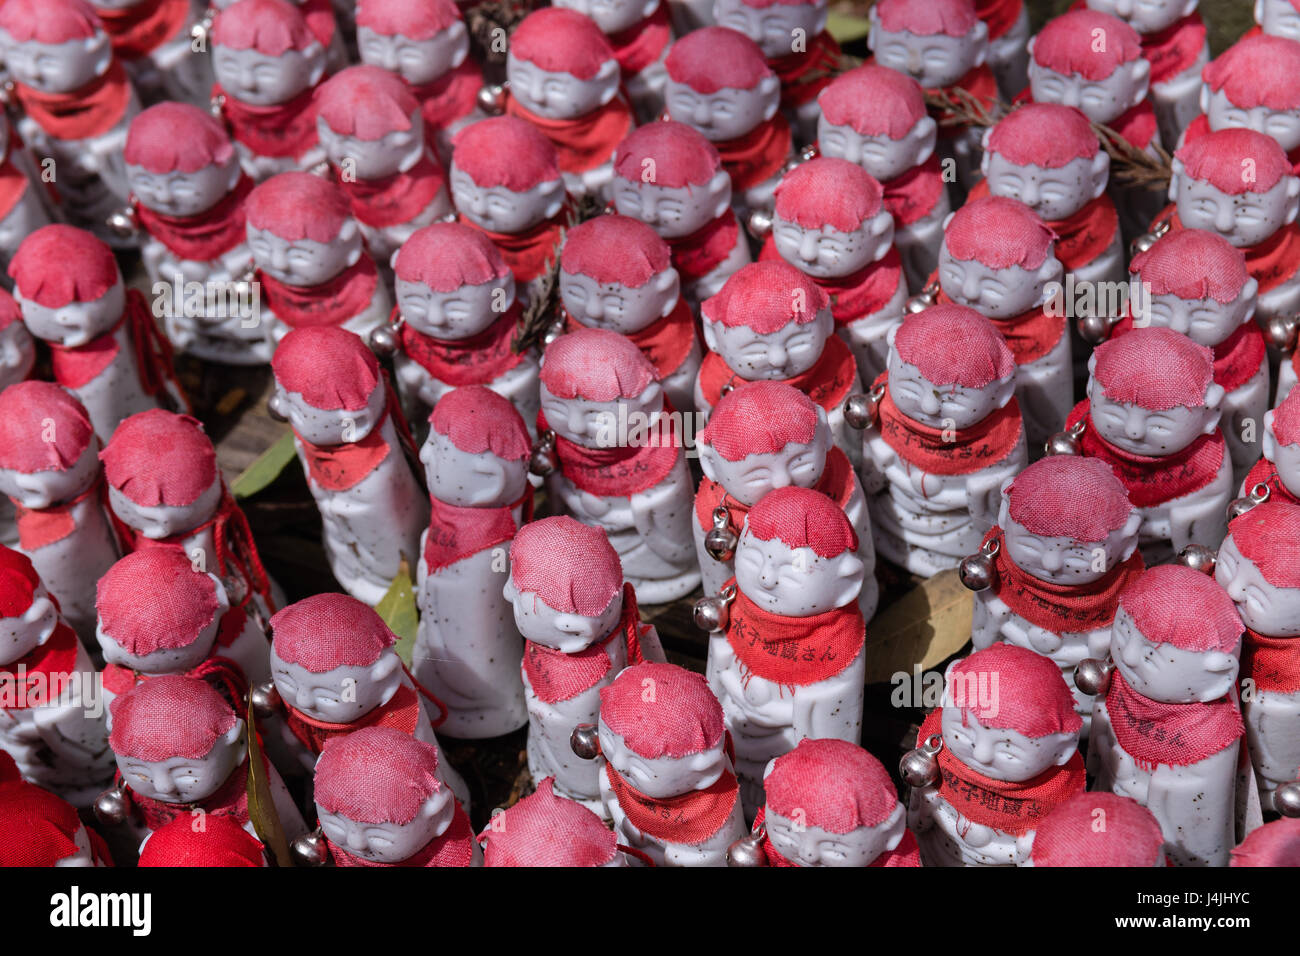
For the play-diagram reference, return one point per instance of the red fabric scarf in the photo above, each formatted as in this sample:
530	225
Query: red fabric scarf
1273	663
804	75
1153	481
455	532
583	142
837	483
979	83
910	197
1176	735
999	15
1030	335
969	450
794	651
82	114
1264	472
1014	808
1175	49
641	44
555	676
528	253
13	184
450	97
689	818
48	668
284	130
41	527
1138	125
344	297
666	342
402	712
229	800
396	199
340	467
455	847
907	853
76	367
827	383
208	235
859	294
1061	609
698	254
620	472
139	30
758	155
477	360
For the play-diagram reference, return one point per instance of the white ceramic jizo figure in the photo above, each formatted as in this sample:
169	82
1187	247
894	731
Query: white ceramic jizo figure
188	193
875	117
671	178
947	433
831	222
356	448
1071	836
1168	729
153	40
381	803
1278	471
545	829
1066	542
581	627
620	457
764	436
1152	414
467	648
640	34
49	469
24	201
1007	738
1280	18
830	803
666	779
52	722
788	662
1257	567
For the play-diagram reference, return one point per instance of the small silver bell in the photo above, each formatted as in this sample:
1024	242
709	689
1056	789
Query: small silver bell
1281	332
216	104
385	340
121	223
920	767
1092	675
748	850
310	849
112	807
862	410
275	409
492	98
924	299
1094	329
1066	442
977	571
1144	242
1256	496
544	460
759	224
721	541
585	741
553	332
1287	799
235	588
711	613
1197	557
265	700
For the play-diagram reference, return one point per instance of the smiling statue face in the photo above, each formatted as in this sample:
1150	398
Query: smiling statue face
1060	559
74	324
800	464
182	194
662	777
416	61
458	314
1101	100
560	95
498	209
1000	752
341	695
772	356
304	262
1052	193
827	252
794	582
469	480
996	293
933	61
1244	220
1141	431
882	157
772	27
1282	125
1205	321
390	842
1144	16
165	521
1166	673
185	779
1264	607
55	67
332	426
808	845
726	114
673	212
941	406
17	354
1278	18
595	424
612	16
261	80
40	489
562	631
367	159
618	307
23	633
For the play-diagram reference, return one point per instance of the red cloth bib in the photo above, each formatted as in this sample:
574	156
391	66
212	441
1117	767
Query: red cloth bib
13	185
450	97
528	253
455	847
641	44
1061	609
911	196
1014	808
340	467
477	360
344	297
1030	335
396	199
907	853
455	533
45	670
40	527
230	800
555	676
666	342
1273	663
827	383
283	131
837	483
1153	481
620	472
82	114
208	235
1264	472
794	651
689	818
584	142
76	367
1176	735
979	83
968	450
698	254
139	30
804	75
858	295
758	155
1175	49
402	712
1138	125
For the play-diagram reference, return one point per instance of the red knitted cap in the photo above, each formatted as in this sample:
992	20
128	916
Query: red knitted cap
759	418
1069	44
927	341
271	27
376	775
1259	70
448	255
1069	496
177	137
874	100
37	828
611	249
595	365
831	784
560	40
571	566
42	428
1273	844
59	264
1031	697
543	829
153	600
716	58
1172	604
1286	419
1098	829
160	458
18	582
828	192
662	710
366	102
954	18
1220	159
298	205
330	367
167	716
1268	536
766	297
413	19
477	419
1044	134
49	21
505	151
1193	264
802	518
329	630
668	154
999	232
221	842
1155	368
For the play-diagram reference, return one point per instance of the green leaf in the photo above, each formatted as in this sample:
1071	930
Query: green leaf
847	29
261	805
397	608
265	468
